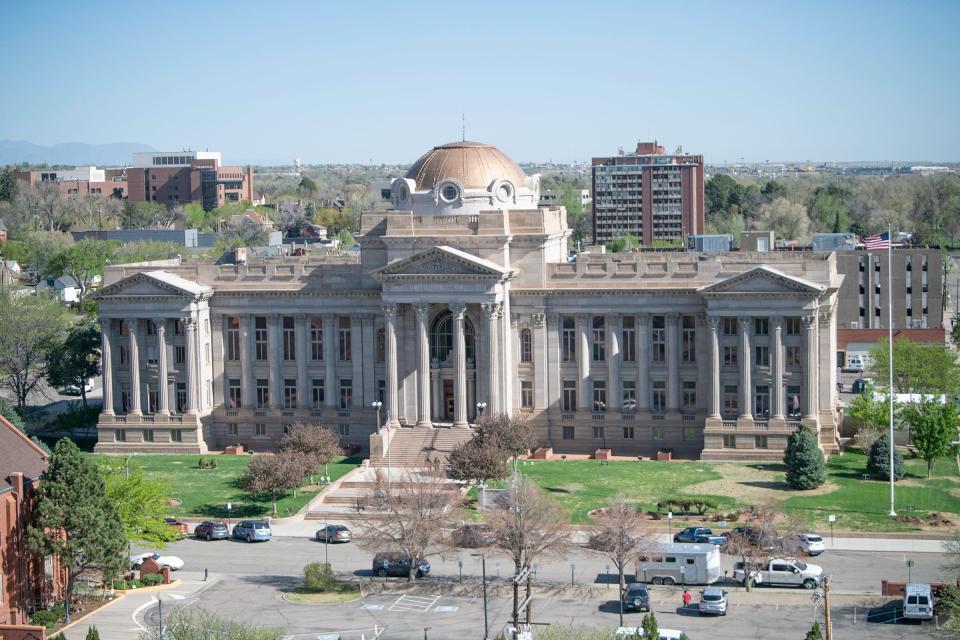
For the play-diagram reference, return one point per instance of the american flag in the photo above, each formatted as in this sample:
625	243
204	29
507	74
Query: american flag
875	243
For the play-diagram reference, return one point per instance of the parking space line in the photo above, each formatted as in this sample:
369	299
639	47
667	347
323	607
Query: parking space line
414	603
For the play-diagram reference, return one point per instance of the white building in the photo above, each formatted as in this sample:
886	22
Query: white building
462	295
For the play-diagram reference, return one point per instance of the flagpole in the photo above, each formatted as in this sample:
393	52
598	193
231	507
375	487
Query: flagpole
890	364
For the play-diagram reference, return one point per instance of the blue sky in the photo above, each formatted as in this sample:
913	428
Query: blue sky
365	81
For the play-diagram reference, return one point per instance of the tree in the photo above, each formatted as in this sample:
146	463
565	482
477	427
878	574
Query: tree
307	184
8	185
934	426
78	358
9	412
513	434
92	634
623	243
804	460
720	193
620	534
649	626
814	633
199	624
273	475
346	239
74	520
141	502
82	262
478	461
529	526
42	207
870	414
415	512
878	460
496	438
788	220
31	329
829	211
319	444
918	368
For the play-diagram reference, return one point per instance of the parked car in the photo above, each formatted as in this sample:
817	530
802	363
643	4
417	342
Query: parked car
636	597
182	528
918	602
252	530
474	535
211	530
173	562
623	633
765	540
856	363
699	535
74	390
713	601
811	543
781	572
397	564
334	533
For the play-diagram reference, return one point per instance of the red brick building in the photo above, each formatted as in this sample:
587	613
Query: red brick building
26	582
173	178
648	194
84	181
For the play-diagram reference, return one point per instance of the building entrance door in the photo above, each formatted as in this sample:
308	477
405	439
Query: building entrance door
448	399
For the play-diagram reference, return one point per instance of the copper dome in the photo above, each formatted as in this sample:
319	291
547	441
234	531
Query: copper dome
472	164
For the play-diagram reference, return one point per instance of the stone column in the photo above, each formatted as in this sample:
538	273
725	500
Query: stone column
107	364
356	359
423	365
163	391
583	361
490	311
460	364
302	354
551	371
643	362
614	397
190	330
746	395
673	362
776	355
390	338
274	355
810	368
248	383
330	385
540	372
132	326
714	368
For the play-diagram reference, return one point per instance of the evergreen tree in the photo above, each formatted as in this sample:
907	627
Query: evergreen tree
92	634
878	462
73	519
814	633
9	412
804	460
78	359
649	626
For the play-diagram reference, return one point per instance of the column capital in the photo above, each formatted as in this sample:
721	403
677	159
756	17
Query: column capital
490	309
538	319
458	309
809	321
776	322
744	324
189	323
422	310
643	317
713	322
160	324
389	310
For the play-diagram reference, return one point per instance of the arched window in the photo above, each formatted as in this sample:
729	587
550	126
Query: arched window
441	337
526	346
381	345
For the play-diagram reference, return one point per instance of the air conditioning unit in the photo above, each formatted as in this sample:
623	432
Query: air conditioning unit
854	325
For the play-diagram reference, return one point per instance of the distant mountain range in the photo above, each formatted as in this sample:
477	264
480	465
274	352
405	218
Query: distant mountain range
75	153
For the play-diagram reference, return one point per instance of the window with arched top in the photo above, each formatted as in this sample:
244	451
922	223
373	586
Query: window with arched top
441	337
381	345
526	346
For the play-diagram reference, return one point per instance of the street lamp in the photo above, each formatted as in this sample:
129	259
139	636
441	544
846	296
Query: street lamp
670	523
483	564
481	406
376	404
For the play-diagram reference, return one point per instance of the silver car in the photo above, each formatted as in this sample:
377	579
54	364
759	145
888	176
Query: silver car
713	601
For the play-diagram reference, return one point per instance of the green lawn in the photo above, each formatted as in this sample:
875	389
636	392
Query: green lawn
206	492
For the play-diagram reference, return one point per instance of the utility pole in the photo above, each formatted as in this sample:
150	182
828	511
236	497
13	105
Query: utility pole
826	607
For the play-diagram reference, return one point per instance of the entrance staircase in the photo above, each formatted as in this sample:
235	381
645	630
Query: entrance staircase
418	447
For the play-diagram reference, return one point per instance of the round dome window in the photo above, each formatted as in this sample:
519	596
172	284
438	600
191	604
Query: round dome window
504	192
449	192
403	192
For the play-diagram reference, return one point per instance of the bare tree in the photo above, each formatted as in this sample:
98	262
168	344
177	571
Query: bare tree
531	525
274	475
416	512
317	443
766	532
621	534
478	461
44	206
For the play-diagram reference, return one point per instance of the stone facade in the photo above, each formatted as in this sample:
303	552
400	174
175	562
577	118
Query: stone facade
465	300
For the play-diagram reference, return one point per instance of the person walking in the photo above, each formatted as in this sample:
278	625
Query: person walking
686	599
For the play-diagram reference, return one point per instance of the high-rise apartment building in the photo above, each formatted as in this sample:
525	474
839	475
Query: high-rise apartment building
648	194
180	177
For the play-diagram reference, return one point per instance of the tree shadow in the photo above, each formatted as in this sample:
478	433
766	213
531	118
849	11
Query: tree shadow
281	583
557	490
213	510
767	484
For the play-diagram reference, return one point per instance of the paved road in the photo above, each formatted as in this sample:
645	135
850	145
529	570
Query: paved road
853	572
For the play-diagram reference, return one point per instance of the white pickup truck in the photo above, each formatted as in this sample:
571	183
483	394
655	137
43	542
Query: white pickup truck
782	572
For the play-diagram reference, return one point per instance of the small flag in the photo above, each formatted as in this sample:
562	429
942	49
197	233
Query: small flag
876	243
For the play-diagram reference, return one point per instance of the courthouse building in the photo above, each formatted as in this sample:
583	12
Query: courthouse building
462	300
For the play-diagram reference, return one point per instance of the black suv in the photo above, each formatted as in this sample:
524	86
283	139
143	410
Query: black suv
636	598
396	564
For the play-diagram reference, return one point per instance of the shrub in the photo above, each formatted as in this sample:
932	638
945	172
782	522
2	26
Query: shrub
151	580
134	584
804	460
318	577
205	463
120	584
878	460
93	634
703	504
78	416
48	617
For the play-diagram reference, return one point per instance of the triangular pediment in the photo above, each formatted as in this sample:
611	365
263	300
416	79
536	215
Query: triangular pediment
441	261
763	279
154	284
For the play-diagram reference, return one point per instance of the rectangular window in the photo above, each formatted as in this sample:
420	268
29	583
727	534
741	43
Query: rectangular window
263	393
180	401
628	433
688	340
729	326
233	338
761	326
599	433
659	339
568	433
730	400
793	325
690	433
793	401
729	442
793	356
526	346
179	355
260	337
343	429
176	435
178	327
659	399
206	352
599	396
598	338
629	339
151	328
761	354
317	393
151	354
569	395
382	391
148	435
316	338
233	429
762	401
124	355
526	394
729	356
259	429
568	339
657	433
689	396
345	347
629	396
760	442
233	393
289	339
289	393
120	435
346	393
152	403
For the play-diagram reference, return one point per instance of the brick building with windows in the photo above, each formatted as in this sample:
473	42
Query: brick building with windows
172	178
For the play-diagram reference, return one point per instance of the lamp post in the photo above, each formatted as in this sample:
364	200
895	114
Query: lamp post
481	406
670	523
483	565
376	404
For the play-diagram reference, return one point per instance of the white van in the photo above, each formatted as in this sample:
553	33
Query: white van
918	602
